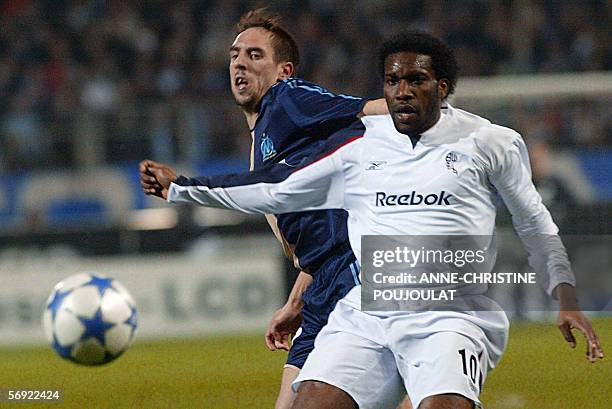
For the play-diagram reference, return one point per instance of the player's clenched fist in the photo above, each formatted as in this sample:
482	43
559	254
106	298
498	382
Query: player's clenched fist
155	178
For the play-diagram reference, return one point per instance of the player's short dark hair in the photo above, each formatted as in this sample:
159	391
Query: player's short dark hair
283	43
443	59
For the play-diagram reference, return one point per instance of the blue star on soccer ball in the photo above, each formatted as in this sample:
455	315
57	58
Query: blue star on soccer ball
101	283
95	327
56	302
132	321
61	350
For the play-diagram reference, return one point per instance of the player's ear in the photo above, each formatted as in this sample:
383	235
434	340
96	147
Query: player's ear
443	88
285	70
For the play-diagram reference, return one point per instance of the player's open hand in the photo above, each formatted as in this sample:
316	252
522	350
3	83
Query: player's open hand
155	178
284	323
569	320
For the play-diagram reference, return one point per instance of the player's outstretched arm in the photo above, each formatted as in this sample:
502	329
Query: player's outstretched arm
274	189
570	317
316	183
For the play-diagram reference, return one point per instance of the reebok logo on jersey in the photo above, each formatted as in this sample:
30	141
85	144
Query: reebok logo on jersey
376	164
413	199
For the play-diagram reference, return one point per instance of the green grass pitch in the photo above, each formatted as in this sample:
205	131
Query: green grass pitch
538	371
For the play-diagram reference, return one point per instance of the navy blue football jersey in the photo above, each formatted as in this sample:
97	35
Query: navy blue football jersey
295	118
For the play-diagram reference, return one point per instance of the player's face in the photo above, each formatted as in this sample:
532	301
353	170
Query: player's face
253	69
412	92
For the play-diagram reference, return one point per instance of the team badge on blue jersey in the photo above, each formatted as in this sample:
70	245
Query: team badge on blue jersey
267	147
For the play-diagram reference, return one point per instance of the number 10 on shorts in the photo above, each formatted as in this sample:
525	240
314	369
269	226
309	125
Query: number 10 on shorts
470	367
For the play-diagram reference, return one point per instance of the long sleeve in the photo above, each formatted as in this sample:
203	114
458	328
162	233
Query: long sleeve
511	175
317	183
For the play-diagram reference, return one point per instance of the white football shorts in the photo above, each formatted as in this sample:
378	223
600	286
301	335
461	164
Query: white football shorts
434	353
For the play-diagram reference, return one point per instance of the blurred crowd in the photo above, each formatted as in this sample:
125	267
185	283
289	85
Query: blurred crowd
91	82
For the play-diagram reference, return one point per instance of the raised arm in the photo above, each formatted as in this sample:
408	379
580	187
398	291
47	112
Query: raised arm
273	189
317	183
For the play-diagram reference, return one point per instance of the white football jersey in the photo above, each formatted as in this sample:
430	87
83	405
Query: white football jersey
445	184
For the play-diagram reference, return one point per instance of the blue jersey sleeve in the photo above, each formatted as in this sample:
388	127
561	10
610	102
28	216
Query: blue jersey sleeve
317	110
318	182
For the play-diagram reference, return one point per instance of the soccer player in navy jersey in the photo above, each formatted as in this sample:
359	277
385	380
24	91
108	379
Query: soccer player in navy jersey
289	119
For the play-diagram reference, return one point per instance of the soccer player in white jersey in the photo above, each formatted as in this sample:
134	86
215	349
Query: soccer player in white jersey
358	351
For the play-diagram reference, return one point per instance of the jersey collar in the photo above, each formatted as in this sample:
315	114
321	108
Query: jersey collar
265	101
433	134
440	129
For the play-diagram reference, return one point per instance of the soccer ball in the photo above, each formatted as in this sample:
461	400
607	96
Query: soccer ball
90	319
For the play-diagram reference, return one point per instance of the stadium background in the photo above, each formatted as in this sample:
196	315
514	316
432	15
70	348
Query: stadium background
89	88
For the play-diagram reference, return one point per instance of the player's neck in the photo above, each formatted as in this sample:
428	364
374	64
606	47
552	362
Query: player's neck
251	118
